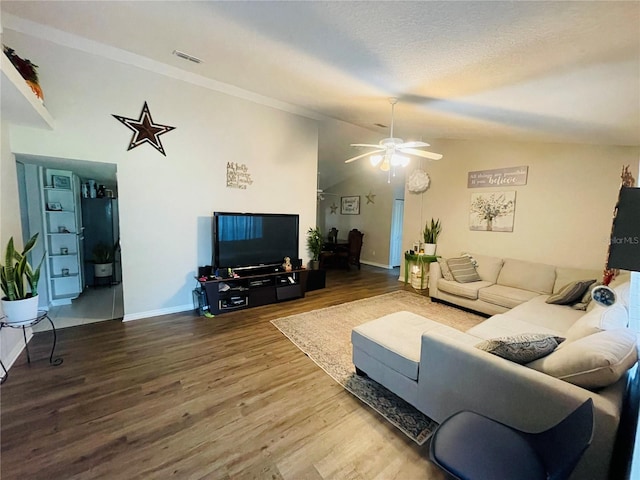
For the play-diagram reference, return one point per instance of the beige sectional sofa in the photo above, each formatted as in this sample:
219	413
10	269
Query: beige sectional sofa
441	371
505	283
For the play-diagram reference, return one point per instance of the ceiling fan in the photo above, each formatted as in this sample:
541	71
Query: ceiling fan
388	152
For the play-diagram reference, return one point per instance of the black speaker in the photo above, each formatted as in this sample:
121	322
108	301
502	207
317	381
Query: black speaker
204	271
296	264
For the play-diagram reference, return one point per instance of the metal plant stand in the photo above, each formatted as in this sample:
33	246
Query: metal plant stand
42	315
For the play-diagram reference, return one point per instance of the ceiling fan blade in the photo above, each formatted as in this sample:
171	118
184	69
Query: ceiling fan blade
365	145
421	153
413	145
363	155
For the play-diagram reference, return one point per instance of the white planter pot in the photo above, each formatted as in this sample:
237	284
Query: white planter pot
429	248
20	312
103	269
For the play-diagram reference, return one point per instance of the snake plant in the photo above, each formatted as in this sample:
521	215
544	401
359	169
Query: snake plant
16	272
432	231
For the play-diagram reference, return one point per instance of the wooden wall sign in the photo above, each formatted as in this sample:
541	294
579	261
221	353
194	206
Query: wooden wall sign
498	177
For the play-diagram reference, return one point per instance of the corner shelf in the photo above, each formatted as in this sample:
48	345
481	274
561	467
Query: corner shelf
20	105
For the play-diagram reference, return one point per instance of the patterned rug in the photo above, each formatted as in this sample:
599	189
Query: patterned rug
325	336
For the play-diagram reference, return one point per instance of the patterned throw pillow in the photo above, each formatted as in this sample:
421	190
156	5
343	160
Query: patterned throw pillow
523	348
570	293
444	268
463	270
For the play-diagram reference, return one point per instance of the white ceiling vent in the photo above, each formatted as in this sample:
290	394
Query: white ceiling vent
186	56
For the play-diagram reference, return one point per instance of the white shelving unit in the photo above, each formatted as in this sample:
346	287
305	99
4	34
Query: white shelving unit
61	226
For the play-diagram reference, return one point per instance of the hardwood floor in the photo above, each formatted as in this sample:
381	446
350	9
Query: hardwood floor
183	396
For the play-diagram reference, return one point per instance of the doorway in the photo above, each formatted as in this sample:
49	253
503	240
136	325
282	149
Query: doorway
97	221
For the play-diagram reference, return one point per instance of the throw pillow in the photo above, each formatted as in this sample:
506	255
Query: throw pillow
570	293
584	302
444	268
463	270
523	348
592	362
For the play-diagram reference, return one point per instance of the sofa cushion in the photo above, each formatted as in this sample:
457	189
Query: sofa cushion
523	348
463	269
571	292
466	290
444	269
508	297
537	277
394	340
506	324
487	267
599	319
594	361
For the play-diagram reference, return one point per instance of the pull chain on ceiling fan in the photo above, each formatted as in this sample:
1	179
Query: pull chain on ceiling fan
388	152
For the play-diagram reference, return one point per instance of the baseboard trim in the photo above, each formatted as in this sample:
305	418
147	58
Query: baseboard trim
16	351
373	264
157	313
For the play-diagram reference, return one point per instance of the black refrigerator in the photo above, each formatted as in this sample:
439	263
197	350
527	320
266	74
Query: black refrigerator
100	222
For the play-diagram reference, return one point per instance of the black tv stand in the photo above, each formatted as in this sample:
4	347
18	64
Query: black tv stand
245	291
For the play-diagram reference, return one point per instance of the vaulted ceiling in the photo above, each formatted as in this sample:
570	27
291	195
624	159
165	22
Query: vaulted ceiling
519	70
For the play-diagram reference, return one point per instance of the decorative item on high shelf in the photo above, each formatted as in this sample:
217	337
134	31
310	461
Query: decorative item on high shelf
26	69
492	212
61	181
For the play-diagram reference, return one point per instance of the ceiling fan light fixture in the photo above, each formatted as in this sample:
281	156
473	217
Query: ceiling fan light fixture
399	160
375	160
387	153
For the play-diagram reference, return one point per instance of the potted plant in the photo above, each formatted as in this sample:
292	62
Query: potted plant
103	255
314	244
18	304
431	232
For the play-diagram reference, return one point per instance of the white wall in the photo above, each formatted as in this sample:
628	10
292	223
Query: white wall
562	216
166	202
11	342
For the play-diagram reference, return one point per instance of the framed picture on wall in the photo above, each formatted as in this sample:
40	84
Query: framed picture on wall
60	181
350	205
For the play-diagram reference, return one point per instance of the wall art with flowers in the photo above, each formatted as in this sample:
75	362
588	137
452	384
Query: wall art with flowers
492	212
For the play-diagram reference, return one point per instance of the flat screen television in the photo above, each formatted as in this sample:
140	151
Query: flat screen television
249	240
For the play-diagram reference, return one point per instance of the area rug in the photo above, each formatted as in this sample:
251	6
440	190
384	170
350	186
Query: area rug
325	337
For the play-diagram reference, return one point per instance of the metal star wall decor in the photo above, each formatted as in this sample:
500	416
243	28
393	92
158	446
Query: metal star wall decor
334	208
145	131
371	197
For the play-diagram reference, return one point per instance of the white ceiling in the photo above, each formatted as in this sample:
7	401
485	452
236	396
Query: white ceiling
536	71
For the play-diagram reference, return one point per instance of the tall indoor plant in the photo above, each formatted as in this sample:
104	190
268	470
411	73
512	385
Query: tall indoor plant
431	232
19	304
314	244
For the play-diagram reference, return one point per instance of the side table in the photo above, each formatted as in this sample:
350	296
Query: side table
420	260
42	315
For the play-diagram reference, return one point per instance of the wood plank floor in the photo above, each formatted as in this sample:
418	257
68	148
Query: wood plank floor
182	396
